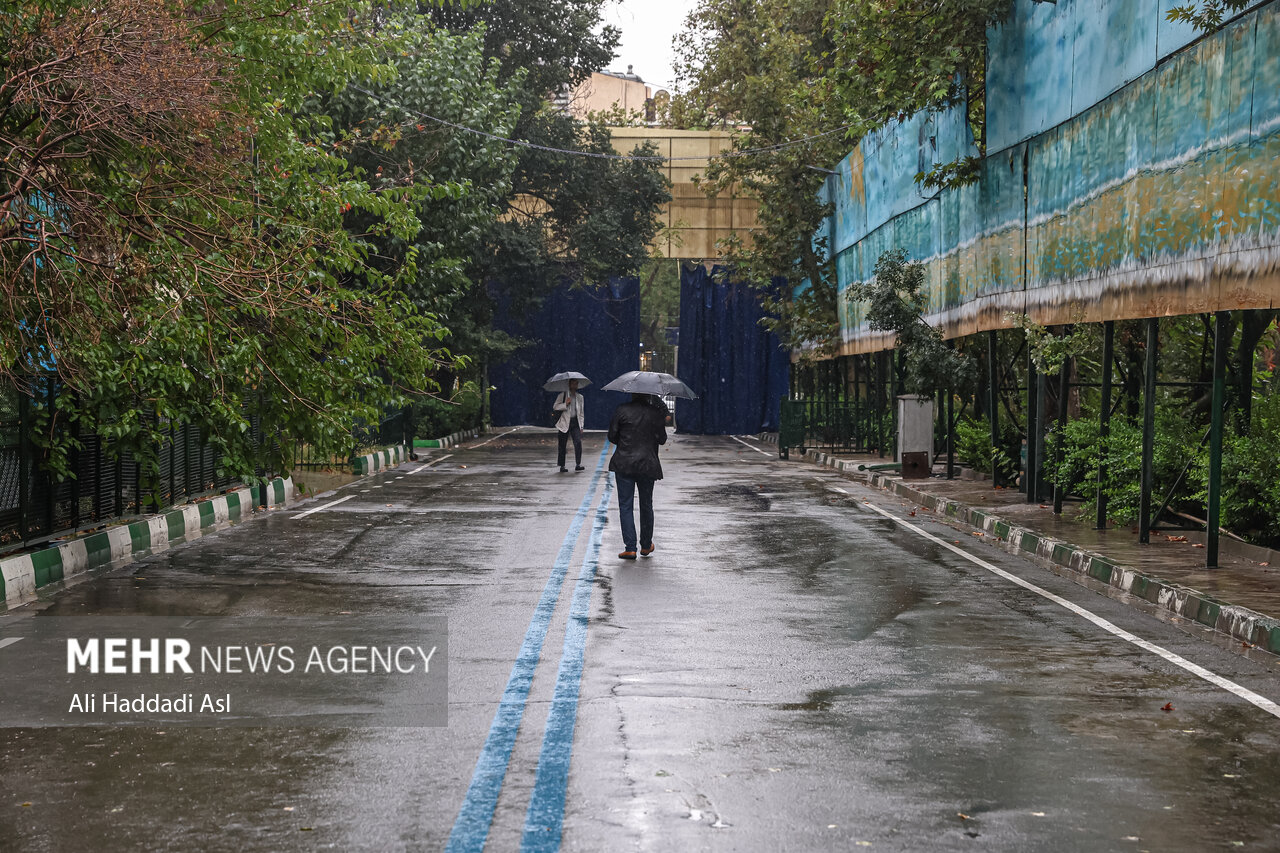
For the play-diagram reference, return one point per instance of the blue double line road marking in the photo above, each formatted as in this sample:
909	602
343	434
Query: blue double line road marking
545	819
471	828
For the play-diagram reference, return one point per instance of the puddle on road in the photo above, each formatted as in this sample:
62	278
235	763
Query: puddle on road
820	700
735	494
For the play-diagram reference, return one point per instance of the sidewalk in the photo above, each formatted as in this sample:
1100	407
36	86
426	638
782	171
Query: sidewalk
1241	598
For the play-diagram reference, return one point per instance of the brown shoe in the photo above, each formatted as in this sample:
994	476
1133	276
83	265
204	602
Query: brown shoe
627	555
646	550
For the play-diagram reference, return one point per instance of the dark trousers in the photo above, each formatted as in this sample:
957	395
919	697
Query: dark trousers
576	432
627	488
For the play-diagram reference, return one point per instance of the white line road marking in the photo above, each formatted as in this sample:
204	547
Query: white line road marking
837	489
1177	660
749	447
429	464
9	641
401	477
495	438
379	486
324	506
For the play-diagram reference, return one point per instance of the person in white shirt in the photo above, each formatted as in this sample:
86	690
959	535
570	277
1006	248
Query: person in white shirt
569	424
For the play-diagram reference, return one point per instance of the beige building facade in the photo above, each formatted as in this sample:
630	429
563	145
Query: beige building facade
607	90
694	223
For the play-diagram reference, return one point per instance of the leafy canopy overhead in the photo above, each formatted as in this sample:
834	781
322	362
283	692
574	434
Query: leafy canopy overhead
563	218
172	233
825	71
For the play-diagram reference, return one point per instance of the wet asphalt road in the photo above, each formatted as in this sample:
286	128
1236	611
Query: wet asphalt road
789	671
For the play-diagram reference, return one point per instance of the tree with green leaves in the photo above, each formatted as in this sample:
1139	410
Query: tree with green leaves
763	67
1207	15
576	218
893	60
172	234
826	72
896	303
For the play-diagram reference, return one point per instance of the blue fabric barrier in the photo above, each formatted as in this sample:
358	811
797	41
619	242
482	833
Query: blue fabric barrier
737	368
595	332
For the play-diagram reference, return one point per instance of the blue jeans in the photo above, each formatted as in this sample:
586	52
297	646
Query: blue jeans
626	500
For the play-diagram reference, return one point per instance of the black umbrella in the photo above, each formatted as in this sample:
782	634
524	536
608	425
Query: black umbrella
560	382
648	382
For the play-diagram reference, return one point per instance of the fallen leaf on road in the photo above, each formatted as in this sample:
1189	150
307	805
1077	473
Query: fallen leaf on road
462	466
1196	545
1044	506
26	805
1176	538
1230	776
976	533
1038	814
1168	706
288	808
962	815
913	512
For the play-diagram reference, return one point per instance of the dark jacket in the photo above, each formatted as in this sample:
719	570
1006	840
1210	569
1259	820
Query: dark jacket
637	429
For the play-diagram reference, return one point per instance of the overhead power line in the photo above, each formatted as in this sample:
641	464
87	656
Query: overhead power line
524	143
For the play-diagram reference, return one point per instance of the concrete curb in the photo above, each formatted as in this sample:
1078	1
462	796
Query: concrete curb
448	440
1239	622
22	575
379	459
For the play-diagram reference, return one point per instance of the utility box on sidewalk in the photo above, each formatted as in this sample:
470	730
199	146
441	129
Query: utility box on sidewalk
915	436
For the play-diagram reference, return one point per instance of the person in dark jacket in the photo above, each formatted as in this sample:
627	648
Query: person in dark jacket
637	428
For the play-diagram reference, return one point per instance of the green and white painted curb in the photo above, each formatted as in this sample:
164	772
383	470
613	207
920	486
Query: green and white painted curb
448	440
22	575
1240	622
379	459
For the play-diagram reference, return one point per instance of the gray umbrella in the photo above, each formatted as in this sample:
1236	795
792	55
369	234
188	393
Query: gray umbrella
560	382
648	382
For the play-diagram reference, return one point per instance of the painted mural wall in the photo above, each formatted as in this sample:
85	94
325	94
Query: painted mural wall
1135	172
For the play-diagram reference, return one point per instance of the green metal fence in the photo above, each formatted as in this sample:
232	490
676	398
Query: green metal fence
833	425
108	482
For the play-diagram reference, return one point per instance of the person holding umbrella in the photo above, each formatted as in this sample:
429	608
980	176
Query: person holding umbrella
637	428
572	415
